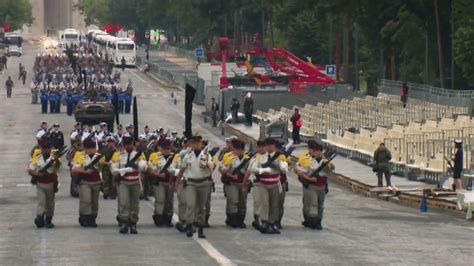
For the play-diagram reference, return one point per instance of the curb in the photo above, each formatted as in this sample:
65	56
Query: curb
162	82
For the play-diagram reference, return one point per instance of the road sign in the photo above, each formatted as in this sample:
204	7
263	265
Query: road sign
199	52
331	70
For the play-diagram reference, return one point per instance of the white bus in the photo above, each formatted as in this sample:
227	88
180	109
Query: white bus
123	48
71	36
103	43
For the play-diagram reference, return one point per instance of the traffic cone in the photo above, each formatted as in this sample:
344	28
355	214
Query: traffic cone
205	119
222	131
423	203
172	94
175	101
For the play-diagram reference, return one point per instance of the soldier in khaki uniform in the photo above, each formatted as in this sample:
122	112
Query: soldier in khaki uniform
85	165
256	197
314	187
181	224
267	168
109	188
43	168
163	182
233	168
196	167
127	165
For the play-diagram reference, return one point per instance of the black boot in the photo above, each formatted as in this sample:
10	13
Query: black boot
264	228
82	220
123	228
256	222
201	232
48	222
278	224
39	221
273	229
168	220
306	222
242	221
92	222
318	225
133	229
227	219
312	223
189	230
206	223
180	227
158	219
119	221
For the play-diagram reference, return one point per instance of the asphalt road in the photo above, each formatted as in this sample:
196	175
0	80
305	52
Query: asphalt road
358	230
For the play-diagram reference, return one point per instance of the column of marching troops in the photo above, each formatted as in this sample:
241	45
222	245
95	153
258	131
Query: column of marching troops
117	165
62	78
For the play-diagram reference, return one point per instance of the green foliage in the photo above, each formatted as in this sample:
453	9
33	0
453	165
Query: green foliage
16	12
385	30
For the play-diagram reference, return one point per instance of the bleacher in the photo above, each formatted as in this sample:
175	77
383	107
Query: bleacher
418	136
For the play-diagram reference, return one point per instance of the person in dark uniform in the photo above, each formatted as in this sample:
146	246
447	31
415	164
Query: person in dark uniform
9	86
248	109
234	108
123	62
214	111
382	157
296	123
57	137
458	164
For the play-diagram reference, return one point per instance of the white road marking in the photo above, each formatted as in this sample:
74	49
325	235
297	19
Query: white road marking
1	186
203	243
144	81
23	185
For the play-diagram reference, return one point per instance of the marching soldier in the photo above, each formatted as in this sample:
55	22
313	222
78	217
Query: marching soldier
233	167
196	167
181	224
76	133
285	188
163	166
43	170
85	166
103	133
108	186
268	168
260	150
314	184
118	136
43	130
127	164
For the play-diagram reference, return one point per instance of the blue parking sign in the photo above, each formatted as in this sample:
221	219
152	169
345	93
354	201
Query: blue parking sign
199	52
331	70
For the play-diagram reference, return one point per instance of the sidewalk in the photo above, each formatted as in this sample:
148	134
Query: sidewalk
185	63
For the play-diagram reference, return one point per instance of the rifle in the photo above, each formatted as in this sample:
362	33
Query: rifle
316	172
287	152
132	161
237	170
164	170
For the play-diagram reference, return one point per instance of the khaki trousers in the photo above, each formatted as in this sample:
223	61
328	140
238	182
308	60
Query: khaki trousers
163	199
129	202
108	187
196	198
45	196
256	200
269	199
281	202
313	201
181	202
236	199
89	199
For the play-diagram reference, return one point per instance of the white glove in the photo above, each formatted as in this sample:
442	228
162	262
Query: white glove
264	170
123	171
283	167
129	169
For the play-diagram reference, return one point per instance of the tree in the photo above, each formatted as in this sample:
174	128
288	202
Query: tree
15	13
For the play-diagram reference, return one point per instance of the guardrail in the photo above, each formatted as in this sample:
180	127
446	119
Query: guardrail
429	93
188	54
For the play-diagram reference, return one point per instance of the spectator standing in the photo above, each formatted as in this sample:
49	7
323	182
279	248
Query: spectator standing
296	123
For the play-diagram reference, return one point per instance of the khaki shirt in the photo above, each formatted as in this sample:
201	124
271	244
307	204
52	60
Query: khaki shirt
193	165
